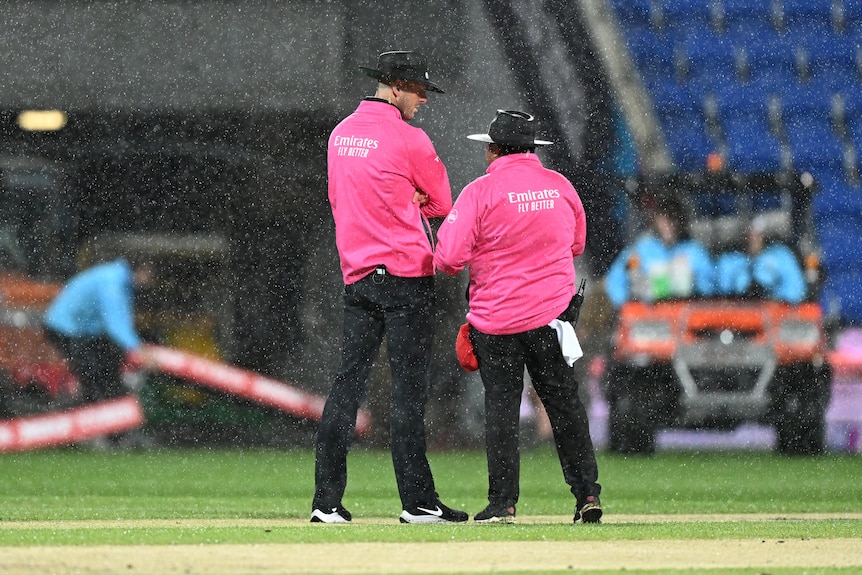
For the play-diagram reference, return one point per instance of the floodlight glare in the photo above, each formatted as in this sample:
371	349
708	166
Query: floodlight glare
41	120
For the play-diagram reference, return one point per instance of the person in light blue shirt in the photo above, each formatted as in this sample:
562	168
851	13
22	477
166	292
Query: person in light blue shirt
766	270
662	263
91	322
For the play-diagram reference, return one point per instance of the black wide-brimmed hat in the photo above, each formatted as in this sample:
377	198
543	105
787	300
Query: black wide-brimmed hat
402	65
511	128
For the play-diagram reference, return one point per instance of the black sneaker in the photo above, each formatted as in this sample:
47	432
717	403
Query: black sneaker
335	515
434	513
590	511
500	513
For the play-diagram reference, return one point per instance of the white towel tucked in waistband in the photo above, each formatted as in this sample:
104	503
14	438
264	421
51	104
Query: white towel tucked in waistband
568	339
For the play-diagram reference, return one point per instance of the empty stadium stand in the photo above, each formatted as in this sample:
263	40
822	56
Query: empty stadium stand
769	86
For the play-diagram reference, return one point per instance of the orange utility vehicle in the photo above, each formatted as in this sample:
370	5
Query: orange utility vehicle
714	363
33	376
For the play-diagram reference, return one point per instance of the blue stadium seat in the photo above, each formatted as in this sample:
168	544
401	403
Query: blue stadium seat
852	100
835	196
711	76
751	147
852	11
687	14
767	84
801	15
831	59
773	56
742	32
854	129
702	44
839	242
672	100
683	125
735	101
814	145
745	11
807	100
711	60
687	142
632	11
653	54
661	85
841	295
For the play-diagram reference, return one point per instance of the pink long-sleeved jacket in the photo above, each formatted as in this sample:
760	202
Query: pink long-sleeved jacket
376	161
519	228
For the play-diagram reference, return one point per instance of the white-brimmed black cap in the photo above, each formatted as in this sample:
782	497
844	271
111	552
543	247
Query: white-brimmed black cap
511	128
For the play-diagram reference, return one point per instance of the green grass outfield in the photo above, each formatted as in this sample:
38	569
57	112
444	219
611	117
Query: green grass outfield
168	497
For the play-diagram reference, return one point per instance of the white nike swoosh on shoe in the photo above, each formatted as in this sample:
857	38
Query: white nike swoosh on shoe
437	512
324	517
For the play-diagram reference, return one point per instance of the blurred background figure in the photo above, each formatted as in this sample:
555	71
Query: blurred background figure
665	262
766	269
92	323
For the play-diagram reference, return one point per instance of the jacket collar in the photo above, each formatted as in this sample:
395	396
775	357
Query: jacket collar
506	161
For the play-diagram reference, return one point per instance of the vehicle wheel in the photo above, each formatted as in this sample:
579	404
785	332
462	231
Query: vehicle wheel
802	401
630	428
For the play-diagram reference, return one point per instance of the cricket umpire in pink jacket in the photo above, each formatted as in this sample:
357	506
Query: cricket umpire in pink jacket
385	180
519	228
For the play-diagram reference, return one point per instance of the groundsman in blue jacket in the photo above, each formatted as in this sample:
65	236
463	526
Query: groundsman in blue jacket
767	269
91	322
662	263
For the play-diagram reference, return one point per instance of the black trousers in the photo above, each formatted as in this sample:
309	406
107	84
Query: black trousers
95	361
400	309
501	364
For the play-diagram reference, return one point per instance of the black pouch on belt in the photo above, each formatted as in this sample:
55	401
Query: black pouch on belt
574	310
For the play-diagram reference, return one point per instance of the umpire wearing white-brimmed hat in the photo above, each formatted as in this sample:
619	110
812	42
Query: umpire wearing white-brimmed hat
517	228
385	179
402	65
511	128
